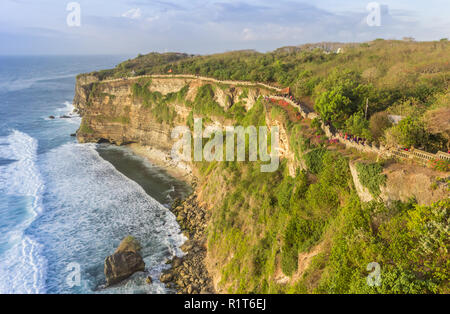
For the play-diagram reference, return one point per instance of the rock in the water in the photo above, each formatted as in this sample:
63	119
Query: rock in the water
51	117
149	280
73	134
124	262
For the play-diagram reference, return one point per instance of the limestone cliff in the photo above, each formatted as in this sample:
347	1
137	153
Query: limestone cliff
111	113
405	181
144	112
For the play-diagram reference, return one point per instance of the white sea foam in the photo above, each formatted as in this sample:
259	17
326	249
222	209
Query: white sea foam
90	208
22	267
66	110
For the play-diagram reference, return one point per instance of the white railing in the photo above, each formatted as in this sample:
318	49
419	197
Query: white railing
195	77
423	156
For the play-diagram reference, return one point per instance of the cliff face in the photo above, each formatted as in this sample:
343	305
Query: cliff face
405	181
111	113
125	111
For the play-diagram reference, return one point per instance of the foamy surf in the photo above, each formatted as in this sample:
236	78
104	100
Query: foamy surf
66	113
90	208
22	267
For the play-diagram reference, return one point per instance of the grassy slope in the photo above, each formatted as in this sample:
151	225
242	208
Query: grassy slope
263	221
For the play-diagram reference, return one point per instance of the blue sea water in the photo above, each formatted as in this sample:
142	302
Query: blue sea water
63	203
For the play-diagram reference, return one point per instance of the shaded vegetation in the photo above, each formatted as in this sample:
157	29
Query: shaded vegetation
371	177
158	102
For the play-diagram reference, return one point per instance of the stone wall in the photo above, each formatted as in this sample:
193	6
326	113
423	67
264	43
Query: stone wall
194	77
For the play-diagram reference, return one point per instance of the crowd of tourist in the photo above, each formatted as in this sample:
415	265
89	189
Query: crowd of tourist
352	138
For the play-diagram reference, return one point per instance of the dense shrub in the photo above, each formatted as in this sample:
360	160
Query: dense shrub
339	96
205	103
299	236
412	132
313	160
440	165
378	123
371	177
357	125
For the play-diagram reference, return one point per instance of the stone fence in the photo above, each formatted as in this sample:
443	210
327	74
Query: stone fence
416	154
423	156
303	111
195	77
443	156
360	145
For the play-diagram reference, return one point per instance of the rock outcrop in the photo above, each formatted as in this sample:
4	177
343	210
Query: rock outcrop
111	113
405	181
124	262
189	275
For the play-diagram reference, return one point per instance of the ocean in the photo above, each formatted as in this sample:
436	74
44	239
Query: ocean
65	206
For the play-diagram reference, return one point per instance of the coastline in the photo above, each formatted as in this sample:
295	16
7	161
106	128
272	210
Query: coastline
160	158
188	274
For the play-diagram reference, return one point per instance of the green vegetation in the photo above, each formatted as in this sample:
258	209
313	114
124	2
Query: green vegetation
95	92
122	119
141	65
157	102
410	242
275	206
300	235
339	96
378	123
255	116
358	125
85	128
263	222
378	77
440	165
205	103
314	160
299	143
371	177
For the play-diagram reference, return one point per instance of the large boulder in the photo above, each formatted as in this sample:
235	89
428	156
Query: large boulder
124	262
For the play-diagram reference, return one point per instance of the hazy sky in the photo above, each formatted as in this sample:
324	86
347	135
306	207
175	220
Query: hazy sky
205	26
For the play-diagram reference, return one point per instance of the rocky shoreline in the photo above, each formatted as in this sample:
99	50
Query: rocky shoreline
189	275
